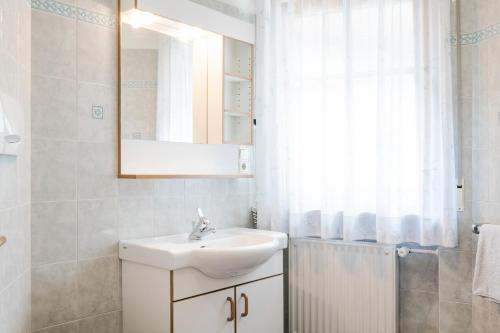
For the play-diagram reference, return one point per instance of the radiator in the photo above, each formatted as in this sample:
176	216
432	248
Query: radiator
342	287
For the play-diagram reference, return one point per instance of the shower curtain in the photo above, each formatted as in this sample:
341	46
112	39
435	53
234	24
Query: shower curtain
355	136
174	106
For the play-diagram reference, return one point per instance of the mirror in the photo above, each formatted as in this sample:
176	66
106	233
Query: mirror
157	86
170	83
159	72
182	84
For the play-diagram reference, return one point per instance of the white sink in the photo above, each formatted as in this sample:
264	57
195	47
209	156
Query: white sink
226	253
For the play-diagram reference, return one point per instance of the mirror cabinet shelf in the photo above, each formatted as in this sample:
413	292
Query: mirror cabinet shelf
238	65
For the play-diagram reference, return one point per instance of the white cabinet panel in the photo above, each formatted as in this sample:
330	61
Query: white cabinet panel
264	306
207	313
190	282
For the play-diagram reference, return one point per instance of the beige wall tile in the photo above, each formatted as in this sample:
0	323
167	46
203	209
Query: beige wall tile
136	217
54	294
96	170
17	250
98	286
96	53
107	323
418	312
53	45
455	276
134	187
169	216
15	306
64	328
97	228
54	108
419	272
170	188
53	232
53	170
455	317
91	129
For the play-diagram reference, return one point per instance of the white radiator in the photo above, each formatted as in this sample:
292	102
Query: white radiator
343	287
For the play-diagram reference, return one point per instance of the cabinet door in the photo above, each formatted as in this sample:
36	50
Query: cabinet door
260	306
207	313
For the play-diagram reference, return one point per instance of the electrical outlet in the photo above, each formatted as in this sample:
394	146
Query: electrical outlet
243	160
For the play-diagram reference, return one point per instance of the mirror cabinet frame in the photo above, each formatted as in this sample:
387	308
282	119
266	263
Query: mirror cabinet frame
249	148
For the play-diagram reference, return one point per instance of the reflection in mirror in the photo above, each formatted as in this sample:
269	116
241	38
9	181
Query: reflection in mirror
160	61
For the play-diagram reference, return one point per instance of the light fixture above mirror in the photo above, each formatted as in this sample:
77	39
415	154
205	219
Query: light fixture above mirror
142	19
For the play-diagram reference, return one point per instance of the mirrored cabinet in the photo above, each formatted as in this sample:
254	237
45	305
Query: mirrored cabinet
186	92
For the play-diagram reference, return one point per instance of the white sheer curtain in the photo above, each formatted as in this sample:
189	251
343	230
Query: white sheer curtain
355	120
174	108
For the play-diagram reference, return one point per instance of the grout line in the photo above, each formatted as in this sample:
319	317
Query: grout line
17	206
77	103
76	320
110	85
420	291
454	302
54	77
75	261
51	202
21	275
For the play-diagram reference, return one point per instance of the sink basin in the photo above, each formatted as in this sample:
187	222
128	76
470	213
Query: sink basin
226	253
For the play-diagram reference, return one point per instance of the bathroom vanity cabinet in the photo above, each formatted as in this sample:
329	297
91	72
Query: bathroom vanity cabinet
156	300
248	308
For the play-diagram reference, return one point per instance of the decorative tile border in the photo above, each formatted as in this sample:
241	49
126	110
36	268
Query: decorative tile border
109	21
138	84
227	9
476	37
96	18
63	9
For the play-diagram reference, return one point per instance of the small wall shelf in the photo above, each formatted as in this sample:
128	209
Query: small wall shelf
238	91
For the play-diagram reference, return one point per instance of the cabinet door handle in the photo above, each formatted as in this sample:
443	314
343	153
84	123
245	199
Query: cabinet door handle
245	297
233	309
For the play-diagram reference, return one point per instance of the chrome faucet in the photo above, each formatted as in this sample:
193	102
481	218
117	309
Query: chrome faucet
201	228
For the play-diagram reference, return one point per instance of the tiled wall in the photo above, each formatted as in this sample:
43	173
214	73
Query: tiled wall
436	293
80	209
481	93
15	172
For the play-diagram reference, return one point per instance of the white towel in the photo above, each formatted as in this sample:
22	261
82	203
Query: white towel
486	281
